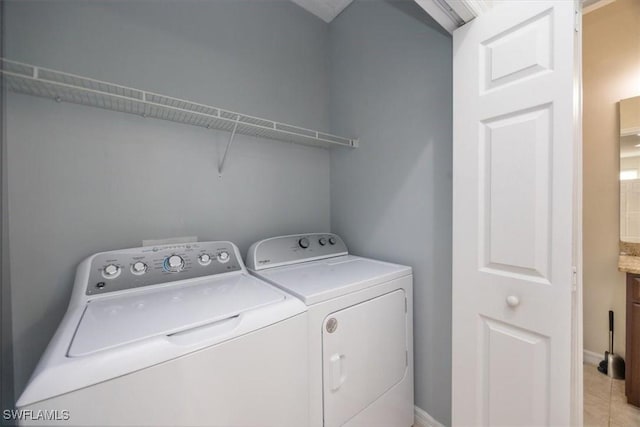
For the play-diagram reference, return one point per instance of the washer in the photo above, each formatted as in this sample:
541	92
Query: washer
360	327
173	335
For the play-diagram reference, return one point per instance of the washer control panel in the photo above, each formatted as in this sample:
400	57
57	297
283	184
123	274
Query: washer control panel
286	250
133	268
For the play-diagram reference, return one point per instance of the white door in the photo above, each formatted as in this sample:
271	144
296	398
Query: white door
364	354
515	100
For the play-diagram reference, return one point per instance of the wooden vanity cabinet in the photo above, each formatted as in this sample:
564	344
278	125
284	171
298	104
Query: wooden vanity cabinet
632	375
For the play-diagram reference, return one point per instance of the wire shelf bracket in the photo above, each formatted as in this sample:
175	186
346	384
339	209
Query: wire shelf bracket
226	150
60	86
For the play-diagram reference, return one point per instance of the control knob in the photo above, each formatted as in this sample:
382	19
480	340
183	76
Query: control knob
322	241
204	259
111	271
332	240
173	263
223	256
303	243
139	267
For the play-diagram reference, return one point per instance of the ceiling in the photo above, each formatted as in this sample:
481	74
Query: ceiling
324	9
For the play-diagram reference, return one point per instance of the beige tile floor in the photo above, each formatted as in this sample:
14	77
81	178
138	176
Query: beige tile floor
605	403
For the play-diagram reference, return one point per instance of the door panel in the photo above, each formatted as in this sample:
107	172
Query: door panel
515	364
519	52
514	195
513	181
364	355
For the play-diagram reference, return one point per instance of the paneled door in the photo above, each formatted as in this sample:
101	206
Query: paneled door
516	83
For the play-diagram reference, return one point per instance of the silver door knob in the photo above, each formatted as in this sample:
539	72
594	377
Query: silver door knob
513	301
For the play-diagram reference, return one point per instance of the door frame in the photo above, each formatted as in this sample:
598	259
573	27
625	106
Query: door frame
577	382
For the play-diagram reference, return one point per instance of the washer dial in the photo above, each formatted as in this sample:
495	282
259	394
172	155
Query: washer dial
204	259
223	257
111	271
139	267
174	263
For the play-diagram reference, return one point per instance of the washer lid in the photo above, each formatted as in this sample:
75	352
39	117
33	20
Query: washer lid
318	281
111	322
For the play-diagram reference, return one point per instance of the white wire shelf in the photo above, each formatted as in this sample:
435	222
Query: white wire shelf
44	82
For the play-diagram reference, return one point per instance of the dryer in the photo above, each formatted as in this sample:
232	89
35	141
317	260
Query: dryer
360	327
173	335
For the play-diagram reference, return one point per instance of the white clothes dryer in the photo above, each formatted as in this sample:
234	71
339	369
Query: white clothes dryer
173	335
360	328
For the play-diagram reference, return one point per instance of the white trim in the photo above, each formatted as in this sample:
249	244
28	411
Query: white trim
591	357
444	11
439	15
423	419
464	9
577	322
479	6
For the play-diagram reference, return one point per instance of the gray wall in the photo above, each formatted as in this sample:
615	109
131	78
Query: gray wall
391	85
6	355
82	180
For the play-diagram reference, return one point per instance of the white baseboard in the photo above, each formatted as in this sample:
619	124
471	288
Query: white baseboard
592	358
423	419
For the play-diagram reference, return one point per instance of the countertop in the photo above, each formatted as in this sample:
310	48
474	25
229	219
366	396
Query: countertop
629	263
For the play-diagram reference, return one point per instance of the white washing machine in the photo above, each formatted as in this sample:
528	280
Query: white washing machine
173	335
360	328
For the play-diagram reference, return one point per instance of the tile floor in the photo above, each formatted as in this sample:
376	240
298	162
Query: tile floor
605	403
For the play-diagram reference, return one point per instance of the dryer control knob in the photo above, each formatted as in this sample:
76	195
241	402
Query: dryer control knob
204	259
174	263
322	241
332	240
304	243
223	256
111	271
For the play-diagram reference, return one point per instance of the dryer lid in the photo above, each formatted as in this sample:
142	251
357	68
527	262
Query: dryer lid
318	281
111	322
